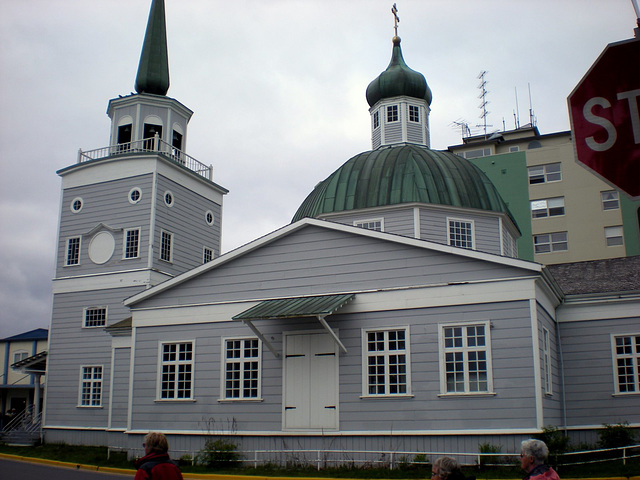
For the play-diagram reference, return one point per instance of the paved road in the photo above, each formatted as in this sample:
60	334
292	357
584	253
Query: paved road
12	470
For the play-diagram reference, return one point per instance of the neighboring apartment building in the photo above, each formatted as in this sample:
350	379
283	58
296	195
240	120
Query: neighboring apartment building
570	214
17	389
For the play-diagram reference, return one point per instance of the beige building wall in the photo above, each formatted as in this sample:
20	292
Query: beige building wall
15	377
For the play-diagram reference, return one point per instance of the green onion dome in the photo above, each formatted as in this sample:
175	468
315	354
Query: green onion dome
397	80
405	173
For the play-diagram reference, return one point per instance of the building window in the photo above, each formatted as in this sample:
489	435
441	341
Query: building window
166	246
73	251
613	236
19	356
481	152
207	255
209	218
91	386
414	113
392	113
626	356
550	242
241	362
610	200
376	224
546	361
465	359
77	204
132	243
376	120
176	370
550	207
135	195
386	360
95	317
168	199
552	172
514	149
460	233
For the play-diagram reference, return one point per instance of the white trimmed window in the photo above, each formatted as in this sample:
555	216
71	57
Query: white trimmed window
376	224
176	371
95	317
386	362
551	172
376	119
392	113
414	113
242	368
465	359
19	356
132	243
613	236
481	152
546	361
548	207
207	254
76	204
626	362
166	246
460	233
550	242
90	386
73	251
610	200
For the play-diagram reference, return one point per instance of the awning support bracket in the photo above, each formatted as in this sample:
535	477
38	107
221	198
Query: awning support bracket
263	338
326	326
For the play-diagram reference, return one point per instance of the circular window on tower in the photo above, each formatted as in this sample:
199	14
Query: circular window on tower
135	194
76	204
168	198
209	217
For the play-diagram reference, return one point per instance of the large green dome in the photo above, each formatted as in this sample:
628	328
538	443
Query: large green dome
399	174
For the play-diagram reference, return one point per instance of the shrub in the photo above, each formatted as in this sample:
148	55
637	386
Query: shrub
613	436
556	441
489	448
218	453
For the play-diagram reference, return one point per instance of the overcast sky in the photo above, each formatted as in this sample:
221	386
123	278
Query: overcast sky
278	90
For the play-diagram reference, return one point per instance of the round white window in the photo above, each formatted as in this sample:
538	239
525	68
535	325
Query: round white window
101	247
77	204
135	195
168	198
209	217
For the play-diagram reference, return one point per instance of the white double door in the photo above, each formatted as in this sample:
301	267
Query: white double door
310	382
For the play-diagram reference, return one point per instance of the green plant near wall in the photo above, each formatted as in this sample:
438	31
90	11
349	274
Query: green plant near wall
557	442
613	436
218	453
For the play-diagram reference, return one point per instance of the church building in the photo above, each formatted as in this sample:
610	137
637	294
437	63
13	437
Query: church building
391	314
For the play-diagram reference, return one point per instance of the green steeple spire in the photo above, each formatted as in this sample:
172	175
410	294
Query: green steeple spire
153	70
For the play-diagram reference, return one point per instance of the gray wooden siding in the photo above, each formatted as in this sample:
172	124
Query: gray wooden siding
106	203
552	404
314	260
120	393
396	220
588	373
71	346
393	131
414	131
511	407
186	220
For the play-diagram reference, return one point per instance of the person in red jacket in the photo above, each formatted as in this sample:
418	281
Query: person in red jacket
533	455
156	464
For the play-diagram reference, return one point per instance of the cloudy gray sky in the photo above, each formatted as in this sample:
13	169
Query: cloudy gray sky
277	87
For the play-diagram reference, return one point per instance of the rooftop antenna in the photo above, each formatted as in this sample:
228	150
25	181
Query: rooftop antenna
483	105
516	112
465	131
532	117
396	19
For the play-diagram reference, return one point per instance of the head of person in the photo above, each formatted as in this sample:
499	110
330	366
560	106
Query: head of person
443	467
155	442
533	453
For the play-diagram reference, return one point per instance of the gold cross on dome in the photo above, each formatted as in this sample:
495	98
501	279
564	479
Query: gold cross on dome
396	19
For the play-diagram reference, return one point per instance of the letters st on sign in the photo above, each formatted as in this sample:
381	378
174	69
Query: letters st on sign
605	116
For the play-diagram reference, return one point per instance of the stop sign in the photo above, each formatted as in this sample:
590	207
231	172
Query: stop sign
605	117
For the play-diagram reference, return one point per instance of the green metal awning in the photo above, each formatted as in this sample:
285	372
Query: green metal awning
299	307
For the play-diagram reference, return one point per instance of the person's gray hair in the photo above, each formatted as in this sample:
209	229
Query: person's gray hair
446	465
536	448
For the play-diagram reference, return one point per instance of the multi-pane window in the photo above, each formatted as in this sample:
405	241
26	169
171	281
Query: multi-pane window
610	200
460	233
91	386
95	317
19	356
176	370
386	356
546	361
166	246
481	152
613	236
392	113
549	207
132	243
376	119
626	356
465	362
73	251
550	242
207	255
242	368
552	172
414	113
373	224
